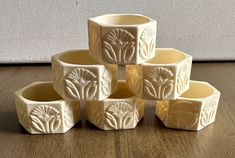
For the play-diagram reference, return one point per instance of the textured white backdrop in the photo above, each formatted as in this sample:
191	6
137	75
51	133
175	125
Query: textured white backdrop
33	30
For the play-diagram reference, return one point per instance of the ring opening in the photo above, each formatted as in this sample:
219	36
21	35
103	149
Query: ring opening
197	90
122	19
167	57
41	92
122	92
78	57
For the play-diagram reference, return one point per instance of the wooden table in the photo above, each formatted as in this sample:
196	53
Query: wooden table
149	139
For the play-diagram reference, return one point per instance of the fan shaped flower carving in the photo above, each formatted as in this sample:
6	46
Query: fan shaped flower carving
106	82
147	43
70	114
120	115
134	78
162	109
45	119
184	114
81	84
119	46
159	83
183	77
208	112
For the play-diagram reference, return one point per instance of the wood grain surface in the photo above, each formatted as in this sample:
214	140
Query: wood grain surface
149	139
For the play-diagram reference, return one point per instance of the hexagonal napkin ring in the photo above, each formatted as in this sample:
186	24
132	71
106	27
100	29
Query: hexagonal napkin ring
193	110
122	110
41	110
77	76
122	38
166	76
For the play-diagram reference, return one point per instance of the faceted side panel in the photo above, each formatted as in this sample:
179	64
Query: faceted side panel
183	114
71	114
58	78
81	83
45	118
161	110
95	45
139	106
159	82
119	45
108	81
134	79
95	115
21	110
208	111
146	42
120	115
183	76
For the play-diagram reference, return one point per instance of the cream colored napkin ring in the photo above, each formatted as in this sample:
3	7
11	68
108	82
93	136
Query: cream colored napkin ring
166	76
122	38
41	110
122	110
77	76
193	110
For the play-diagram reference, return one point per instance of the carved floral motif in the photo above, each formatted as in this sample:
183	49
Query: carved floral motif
94	40
106	81
183	77
45	119
147	43
120	115
134	78
159	83
184	114
81	84
208	112
119	46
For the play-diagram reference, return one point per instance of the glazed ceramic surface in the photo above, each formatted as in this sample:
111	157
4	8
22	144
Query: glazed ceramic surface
41	110
193	110
166	76
122	110
122	38
77	76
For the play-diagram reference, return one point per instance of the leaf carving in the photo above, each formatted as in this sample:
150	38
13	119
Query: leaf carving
119	46
81	84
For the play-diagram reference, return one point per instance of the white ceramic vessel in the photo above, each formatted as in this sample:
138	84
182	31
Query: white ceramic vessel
122	38
193	110
41	110
122	110
166	76
77	76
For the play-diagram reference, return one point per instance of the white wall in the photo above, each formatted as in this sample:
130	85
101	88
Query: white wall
33	30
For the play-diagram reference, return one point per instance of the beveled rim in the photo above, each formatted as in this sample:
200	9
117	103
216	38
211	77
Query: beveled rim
166	57
122	19
42	92
77	57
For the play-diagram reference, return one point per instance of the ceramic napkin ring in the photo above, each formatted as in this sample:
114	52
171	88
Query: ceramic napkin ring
193	110
77	76
122	110
166	76
122	38
41	110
